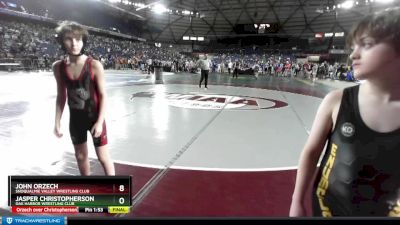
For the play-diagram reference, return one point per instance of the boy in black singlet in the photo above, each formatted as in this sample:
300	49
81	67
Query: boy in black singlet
359	173
80	79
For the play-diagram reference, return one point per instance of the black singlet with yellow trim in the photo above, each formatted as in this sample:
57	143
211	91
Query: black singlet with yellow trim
360	170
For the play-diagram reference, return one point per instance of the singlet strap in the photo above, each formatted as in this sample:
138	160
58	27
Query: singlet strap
89	66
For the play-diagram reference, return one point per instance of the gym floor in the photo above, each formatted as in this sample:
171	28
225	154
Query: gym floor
231	150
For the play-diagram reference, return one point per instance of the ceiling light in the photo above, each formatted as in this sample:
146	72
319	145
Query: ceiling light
348	4
159	9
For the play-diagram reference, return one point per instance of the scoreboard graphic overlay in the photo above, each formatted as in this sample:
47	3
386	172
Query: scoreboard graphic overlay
69	194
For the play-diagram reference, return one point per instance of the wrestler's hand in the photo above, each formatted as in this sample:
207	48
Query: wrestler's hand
57	131
297	209
97	129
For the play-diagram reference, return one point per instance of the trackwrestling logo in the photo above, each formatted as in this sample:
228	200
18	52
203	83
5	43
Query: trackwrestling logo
212	101
28	220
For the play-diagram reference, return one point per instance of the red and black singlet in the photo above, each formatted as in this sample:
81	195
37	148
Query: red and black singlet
82	92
